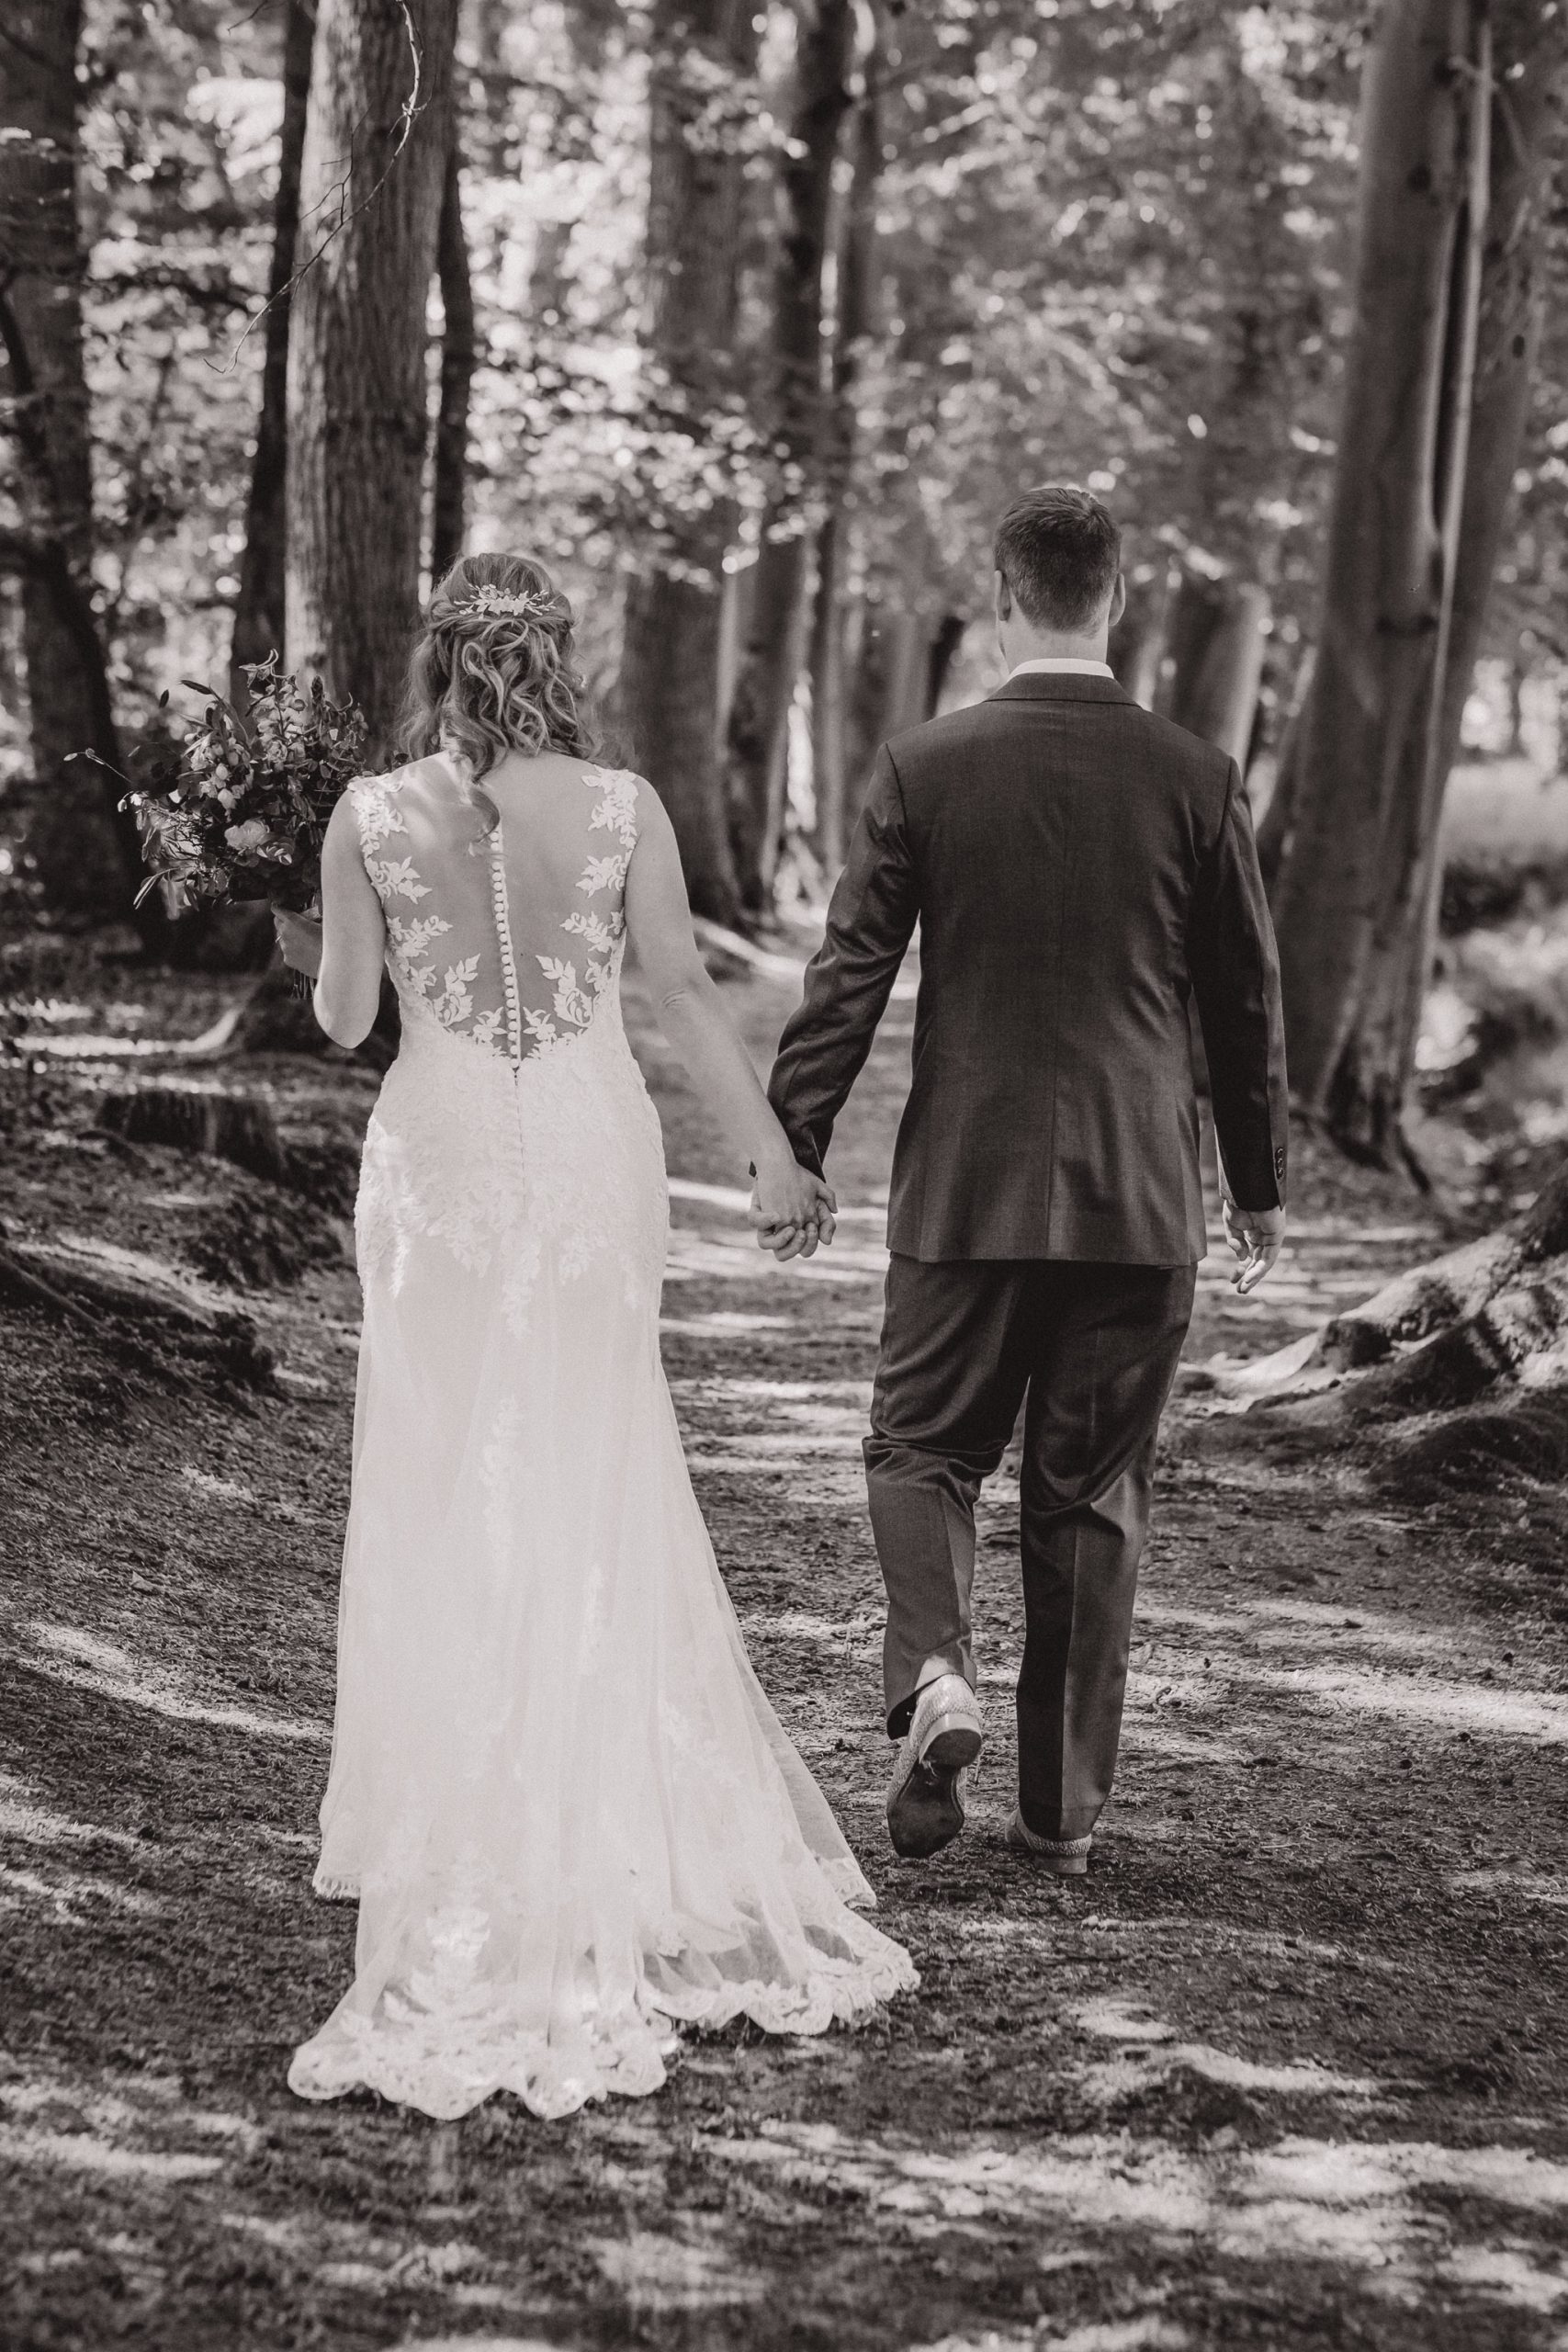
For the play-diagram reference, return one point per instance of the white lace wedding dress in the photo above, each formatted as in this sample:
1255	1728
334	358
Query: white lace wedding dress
570	1816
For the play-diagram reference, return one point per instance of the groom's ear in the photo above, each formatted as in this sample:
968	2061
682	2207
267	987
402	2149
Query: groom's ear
1118	599
1002	596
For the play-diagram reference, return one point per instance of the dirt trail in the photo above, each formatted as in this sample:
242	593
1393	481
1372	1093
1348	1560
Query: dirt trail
1284	2070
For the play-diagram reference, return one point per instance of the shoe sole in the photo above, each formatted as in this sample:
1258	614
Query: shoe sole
953	1750
927	1813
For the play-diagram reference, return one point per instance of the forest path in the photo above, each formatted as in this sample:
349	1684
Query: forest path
1283	2070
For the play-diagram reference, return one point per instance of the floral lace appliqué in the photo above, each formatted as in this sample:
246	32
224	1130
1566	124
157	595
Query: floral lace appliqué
392	878
559	1176
449	992
602	931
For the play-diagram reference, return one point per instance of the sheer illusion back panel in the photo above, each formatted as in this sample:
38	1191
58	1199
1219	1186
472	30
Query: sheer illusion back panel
509	937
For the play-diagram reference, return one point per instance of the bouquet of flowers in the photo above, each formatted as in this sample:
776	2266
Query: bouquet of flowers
235	805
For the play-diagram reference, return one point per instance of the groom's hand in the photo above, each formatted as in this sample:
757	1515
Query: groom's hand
1257	1237
792	1239
791	1210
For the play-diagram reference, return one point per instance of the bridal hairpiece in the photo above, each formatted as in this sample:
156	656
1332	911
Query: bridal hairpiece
519	603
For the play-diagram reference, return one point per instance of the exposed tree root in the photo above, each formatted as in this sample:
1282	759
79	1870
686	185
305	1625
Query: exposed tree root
261	1238
132	1322
1527	1435
1474	1346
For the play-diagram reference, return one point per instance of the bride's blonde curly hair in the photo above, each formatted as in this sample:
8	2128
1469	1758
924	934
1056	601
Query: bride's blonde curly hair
492	672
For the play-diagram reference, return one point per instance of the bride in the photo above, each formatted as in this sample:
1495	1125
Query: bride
571	1817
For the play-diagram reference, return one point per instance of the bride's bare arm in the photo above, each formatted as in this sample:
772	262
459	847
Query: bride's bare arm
692	1015
354	935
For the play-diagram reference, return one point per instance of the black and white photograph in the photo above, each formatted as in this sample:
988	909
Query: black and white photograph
783	1175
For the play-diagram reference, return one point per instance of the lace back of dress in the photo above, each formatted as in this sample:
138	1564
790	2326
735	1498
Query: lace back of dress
507	938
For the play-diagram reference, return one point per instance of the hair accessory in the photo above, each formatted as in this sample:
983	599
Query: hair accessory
517	603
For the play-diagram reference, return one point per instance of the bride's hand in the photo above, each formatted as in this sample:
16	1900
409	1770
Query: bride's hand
299	938
792	1209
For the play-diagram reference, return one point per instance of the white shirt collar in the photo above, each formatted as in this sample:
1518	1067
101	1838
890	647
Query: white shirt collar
1060	666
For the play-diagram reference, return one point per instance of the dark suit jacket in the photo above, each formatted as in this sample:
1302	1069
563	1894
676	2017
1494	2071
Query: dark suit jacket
1079	870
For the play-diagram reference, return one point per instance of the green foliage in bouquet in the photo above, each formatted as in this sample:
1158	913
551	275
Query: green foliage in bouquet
235	805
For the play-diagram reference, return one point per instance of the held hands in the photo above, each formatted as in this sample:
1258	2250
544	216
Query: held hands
299	938
1256	1236
791	1210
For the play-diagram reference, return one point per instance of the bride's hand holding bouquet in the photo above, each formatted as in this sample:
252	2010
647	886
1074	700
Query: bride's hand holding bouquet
234	807
298	940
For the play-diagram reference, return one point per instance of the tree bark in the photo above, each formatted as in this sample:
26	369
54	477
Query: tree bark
858	306
1438	368
1379	1057
830	714
704	52
1276	827
907	637
941	655
85	853
1243	464
371	181
759	722
1217	630
449	499
1138	640
259	609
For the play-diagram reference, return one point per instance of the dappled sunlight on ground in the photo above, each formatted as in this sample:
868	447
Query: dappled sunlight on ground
1150	2053
1370	2208
67	1654
1282	2071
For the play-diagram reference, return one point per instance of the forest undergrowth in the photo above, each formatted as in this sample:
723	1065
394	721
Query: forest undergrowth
1282	2071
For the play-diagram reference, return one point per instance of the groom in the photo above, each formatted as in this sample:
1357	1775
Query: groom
1079	870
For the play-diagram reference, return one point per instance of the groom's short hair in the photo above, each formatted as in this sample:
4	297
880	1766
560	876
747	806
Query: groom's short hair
1059	553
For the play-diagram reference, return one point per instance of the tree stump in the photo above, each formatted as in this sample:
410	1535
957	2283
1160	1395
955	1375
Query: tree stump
237	1128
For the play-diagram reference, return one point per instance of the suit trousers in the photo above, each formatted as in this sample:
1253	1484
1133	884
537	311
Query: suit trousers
1090	1351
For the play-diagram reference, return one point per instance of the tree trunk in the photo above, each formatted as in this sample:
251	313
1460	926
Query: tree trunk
856	320
829	715
1138	640
1447	259
1242	466
759	723
1217	630
449	500
1380	1053
734	626
86	855
1517	671
758	729
907	658
258	612
940	654
371	181
1276	827
704	52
